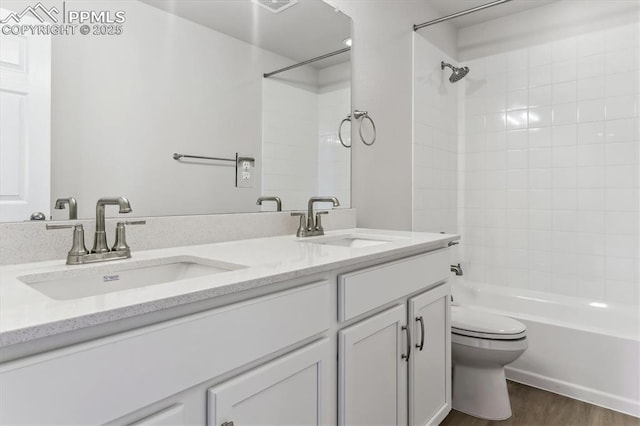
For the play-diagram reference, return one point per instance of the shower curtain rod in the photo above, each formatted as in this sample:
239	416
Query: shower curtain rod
458	14
299	64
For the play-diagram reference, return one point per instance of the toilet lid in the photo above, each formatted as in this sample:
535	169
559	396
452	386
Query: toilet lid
474	323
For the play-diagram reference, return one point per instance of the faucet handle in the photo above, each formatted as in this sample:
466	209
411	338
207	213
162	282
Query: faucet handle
121	238
319	220
302	227
54	227
78	249
133	222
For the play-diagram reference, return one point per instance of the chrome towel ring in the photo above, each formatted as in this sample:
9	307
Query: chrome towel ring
358	115
361	115
340	131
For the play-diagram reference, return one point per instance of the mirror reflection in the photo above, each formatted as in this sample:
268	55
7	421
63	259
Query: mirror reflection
103	113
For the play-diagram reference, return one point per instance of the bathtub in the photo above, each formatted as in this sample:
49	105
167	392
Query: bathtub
579	348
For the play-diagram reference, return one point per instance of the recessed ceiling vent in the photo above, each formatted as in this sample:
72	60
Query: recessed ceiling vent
275	6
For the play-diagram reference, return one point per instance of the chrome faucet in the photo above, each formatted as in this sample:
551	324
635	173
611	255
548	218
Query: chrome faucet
310	226
73	206
79	255
457	269
100	238
276	199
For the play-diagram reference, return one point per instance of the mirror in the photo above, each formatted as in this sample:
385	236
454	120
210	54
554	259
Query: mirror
127	84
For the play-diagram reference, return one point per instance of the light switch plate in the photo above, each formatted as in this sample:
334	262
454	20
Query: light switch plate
245	170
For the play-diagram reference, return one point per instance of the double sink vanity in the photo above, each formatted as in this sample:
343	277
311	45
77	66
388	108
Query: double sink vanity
351	327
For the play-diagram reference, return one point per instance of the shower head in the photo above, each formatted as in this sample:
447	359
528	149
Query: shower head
458	73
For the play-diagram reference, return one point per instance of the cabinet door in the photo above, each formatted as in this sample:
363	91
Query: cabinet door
372	375
287	391
430	362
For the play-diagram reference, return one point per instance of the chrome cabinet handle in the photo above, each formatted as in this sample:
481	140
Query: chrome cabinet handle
421	345
408	354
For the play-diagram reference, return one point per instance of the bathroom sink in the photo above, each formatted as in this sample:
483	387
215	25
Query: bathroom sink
104	279
353	241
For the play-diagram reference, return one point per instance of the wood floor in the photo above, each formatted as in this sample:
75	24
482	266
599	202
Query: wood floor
535	407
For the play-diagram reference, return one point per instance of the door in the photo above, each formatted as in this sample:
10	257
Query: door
430	363
287	391
372	373
25	111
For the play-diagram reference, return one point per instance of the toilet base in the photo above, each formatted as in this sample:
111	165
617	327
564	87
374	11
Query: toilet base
481	392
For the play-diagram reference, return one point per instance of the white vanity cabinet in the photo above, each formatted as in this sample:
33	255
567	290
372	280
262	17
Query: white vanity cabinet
113	379
372	386
430	360
395	365
288	391
280	356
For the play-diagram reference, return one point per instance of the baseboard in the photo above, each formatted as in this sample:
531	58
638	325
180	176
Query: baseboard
440	416
572	390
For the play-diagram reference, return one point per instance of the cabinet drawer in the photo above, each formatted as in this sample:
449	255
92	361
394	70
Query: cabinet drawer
95	382
363	290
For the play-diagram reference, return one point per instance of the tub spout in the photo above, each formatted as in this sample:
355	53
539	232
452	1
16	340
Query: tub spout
457	269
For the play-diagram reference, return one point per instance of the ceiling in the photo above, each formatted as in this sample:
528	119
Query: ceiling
307	29
448	7
312	28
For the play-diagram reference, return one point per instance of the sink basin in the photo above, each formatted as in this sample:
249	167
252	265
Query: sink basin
103	279
353	241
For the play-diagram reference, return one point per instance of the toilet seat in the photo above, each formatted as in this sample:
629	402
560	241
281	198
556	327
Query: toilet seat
483	325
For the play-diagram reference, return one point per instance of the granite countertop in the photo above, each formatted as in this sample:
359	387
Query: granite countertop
27	315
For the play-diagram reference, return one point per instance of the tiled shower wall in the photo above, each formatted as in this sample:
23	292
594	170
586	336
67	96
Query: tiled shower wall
334	160
301	145
550	164
290	143
435	127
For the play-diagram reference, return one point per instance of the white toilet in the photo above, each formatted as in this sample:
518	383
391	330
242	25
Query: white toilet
481	345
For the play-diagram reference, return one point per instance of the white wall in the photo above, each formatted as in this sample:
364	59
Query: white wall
383	85
435	158
335	76
551	153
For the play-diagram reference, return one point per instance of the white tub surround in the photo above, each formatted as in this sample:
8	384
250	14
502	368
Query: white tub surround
19	240
255	342
550	150
585	349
